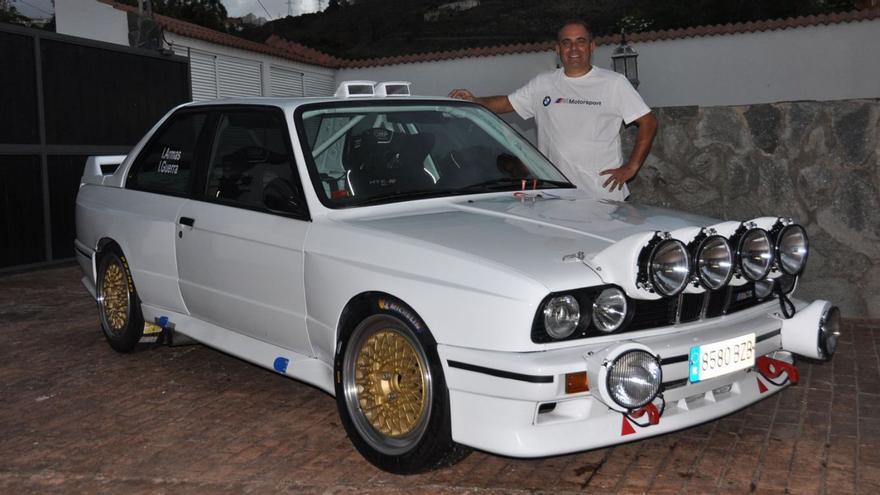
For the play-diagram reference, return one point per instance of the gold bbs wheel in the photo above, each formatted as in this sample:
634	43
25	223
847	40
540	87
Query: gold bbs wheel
114	296
118	304
387	384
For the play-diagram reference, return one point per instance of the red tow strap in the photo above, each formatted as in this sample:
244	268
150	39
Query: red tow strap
653	418
653	413
772	368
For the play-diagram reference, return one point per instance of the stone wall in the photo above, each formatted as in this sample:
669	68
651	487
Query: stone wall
814	161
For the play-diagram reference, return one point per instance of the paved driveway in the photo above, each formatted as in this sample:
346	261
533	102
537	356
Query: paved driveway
76	417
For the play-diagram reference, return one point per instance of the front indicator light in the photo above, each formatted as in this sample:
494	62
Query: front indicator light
609	310
561	316
634	379
576	382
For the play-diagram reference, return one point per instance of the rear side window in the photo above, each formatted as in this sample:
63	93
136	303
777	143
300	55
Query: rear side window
166	164
251	164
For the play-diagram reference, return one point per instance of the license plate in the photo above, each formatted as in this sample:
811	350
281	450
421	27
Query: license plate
719	358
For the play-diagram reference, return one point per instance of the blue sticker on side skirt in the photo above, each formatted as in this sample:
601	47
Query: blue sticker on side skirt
280	364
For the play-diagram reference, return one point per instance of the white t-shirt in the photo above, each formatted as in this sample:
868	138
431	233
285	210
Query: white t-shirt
578	121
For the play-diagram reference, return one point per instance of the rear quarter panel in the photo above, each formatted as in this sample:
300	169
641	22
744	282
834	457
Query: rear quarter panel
144	226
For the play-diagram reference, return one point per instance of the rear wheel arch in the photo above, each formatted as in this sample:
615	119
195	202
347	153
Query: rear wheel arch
105	244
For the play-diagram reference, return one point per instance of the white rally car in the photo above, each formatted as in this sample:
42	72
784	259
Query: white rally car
422	262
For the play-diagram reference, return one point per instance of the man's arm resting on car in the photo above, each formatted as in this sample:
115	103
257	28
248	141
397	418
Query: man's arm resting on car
497	104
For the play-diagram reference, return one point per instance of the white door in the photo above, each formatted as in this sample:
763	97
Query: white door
159	183
239	248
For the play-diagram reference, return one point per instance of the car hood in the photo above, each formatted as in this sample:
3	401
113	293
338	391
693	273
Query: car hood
532	234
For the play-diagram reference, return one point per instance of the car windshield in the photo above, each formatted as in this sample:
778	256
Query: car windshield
366	153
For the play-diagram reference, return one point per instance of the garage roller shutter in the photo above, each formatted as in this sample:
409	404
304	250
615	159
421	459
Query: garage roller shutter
203	73
285	82
239	77
319	84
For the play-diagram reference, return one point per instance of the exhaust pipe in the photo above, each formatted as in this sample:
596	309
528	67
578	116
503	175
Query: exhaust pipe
813	331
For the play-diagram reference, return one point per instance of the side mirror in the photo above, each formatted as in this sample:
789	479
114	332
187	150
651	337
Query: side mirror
281	196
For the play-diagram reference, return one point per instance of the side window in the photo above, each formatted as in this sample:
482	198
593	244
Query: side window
250	163
165	165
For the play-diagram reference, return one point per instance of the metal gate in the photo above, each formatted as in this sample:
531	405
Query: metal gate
62	99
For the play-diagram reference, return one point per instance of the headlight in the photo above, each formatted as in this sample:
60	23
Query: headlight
669	267
764	288
792	249
634	379
609	310
561	316
714	262
829	331
755	254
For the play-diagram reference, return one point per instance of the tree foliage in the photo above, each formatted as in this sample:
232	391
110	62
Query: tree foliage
208	13
370	28
9	14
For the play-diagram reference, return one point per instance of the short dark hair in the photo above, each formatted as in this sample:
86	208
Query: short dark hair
576	22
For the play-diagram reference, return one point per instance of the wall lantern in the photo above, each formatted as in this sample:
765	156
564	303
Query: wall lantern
624	58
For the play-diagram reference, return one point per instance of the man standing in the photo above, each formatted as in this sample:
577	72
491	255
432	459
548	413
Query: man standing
578	110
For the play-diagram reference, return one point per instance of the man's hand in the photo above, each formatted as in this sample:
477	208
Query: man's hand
462	94
619	176
497	104
647	130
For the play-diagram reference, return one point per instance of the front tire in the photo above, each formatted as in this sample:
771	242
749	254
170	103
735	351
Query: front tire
392	397
118	304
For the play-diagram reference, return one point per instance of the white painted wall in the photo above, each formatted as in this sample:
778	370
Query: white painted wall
833	62
482	75
92	20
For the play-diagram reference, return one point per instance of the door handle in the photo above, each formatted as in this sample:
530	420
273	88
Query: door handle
189	222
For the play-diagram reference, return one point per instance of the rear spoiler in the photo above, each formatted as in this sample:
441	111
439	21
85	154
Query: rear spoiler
100	168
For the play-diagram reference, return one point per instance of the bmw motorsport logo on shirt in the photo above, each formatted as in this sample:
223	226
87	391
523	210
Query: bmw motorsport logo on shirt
570	101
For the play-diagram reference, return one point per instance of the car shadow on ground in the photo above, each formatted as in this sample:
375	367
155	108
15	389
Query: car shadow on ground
78	417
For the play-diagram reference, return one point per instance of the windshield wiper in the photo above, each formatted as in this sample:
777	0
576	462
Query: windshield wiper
403	195
504	182
496	184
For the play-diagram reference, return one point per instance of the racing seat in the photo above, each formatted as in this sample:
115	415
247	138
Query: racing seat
384	162
465	166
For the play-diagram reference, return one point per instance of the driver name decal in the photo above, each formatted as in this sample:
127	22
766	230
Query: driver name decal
168	161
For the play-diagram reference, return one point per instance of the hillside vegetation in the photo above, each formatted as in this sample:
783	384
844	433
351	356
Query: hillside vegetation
373	28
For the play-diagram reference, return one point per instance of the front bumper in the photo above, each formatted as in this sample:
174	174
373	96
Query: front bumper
515	403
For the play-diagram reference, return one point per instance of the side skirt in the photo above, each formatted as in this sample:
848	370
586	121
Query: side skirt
269	356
